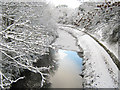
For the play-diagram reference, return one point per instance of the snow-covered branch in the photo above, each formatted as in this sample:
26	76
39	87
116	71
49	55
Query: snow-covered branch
25	36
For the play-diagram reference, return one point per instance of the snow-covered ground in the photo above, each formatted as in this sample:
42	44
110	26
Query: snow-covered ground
67	74
113	47
66	41
98	68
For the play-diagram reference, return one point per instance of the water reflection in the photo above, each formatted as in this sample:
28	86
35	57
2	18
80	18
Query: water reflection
73	56
66	67
69	68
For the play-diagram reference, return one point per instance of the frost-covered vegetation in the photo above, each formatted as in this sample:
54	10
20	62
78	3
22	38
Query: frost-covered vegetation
100	19
26	32
101	22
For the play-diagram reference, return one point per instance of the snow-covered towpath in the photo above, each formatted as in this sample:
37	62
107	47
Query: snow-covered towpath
99	70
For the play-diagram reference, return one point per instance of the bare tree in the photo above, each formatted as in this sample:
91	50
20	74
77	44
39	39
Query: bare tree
26	33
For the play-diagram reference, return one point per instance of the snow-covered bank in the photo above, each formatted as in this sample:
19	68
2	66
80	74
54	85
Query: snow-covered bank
67	73
66	41
101	32
99	70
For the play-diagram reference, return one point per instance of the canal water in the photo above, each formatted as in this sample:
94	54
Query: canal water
67	73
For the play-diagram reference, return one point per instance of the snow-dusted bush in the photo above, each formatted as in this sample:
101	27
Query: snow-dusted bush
65	15
102	17
26	33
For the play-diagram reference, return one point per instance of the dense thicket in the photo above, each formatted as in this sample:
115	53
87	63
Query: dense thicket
26	32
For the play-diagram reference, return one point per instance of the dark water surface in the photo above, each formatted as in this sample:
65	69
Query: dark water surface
69	68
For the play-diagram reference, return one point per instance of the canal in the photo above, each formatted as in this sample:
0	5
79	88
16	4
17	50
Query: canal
68	70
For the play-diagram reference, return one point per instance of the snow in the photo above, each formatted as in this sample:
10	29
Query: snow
99	70
66	41
98	34
112	47
25	39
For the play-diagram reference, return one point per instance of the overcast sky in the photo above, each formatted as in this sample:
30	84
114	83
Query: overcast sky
69	3
73	3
